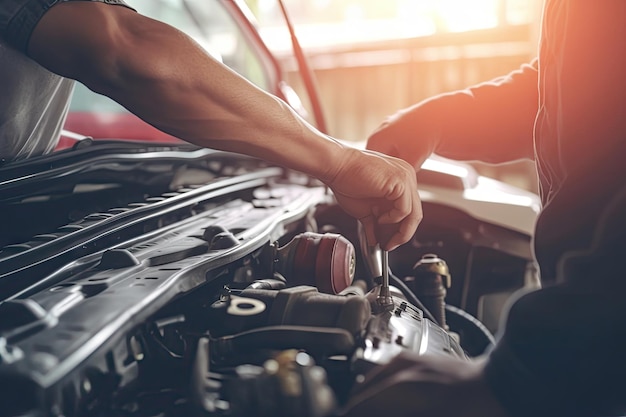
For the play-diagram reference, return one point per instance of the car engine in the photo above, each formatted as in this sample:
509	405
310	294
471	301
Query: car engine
169	280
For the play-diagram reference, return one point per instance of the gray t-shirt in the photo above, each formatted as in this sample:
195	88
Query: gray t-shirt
33	100
33	106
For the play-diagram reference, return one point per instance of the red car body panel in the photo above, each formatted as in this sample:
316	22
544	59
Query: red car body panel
111	126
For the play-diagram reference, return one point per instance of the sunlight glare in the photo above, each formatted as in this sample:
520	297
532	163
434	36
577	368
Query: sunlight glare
465	15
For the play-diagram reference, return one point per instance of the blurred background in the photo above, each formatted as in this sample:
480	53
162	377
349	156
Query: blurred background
373	57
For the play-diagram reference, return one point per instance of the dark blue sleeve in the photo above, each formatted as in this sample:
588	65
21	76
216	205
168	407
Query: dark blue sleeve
562	353
493	121
18	18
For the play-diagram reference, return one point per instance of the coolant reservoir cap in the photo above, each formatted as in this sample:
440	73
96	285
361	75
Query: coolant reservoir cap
433	264
335	264
326	261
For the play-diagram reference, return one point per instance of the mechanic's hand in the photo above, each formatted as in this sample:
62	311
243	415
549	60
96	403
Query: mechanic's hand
381	192
410	134
424	387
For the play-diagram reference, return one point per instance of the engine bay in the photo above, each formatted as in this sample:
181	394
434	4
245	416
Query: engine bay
178	281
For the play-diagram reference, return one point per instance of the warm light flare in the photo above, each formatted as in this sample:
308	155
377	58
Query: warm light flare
322	22
465	15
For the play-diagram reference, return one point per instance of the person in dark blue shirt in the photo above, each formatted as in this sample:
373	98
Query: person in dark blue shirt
561	353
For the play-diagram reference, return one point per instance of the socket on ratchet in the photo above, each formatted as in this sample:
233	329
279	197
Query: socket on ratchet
384	295
384	300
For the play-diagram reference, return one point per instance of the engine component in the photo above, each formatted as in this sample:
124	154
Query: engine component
254	367
286	384
429	282
298	317
323	325
402	329
326	261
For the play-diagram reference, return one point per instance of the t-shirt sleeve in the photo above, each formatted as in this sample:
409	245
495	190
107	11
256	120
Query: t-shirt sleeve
18	18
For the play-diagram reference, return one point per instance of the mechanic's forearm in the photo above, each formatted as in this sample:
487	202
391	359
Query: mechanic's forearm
187	99
164	77
193	105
